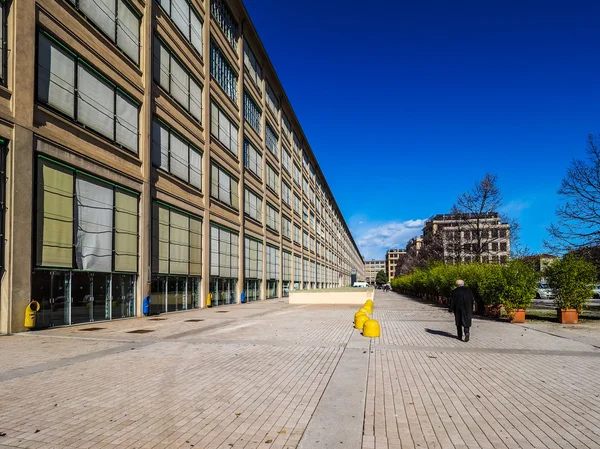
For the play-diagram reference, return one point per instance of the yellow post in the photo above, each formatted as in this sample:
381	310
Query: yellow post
359	313
368	308
371	329
360	320
367	311
209	300
370	302
32	308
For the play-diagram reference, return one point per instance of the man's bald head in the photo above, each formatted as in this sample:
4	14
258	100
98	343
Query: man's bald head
460	283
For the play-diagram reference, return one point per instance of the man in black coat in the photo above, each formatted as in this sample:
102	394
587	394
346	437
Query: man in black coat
461	303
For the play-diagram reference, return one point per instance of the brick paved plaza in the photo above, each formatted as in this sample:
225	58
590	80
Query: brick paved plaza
253	376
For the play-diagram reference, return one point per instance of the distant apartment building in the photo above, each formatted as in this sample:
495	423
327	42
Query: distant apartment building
392	258
469	237
148	148
372	267
415	244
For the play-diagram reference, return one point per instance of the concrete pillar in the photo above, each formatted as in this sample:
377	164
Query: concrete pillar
145	239
20	188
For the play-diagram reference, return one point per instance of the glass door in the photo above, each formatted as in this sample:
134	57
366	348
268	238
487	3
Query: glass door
123	296
51	290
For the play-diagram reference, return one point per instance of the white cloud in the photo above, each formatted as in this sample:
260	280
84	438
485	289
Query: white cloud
515	207
374	239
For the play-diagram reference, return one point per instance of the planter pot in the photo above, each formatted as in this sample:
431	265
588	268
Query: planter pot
493	310
518	316
567	316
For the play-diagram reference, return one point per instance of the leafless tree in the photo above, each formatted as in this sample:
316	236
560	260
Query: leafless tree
578	218
476	214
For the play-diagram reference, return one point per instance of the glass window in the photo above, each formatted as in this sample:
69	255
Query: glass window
224	252
297	272
186	19
297	204
176	241
101	105
175	155
252	112
223	72
118	21
305	239
286	193
177	80
224	187
226	21
223	128
286	160
272	179
252	205
253	258
252	159
297	234
272	218
272	100
271	140
286	127
252	66
286	227
84	223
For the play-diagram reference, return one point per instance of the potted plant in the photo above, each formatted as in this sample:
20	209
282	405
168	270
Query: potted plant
571	279
520	280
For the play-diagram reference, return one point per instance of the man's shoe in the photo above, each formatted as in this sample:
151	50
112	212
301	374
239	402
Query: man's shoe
459	337
466	338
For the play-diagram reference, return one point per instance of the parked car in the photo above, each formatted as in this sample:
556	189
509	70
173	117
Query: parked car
544	291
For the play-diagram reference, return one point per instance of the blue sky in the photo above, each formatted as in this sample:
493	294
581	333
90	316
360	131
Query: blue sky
406	104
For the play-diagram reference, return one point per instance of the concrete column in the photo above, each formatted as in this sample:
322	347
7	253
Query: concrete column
20	188
145	239
205	283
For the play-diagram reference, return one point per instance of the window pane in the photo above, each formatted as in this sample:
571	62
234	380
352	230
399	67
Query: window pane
179	243
93	247
127	123
55	216
196	32
128	32
195	100
180	82
56	76
179	157
96	102
195	168
180	13
102	13
126	226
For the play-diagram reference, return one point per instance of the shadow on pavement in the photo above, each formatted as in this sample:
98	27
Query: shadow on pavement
442	333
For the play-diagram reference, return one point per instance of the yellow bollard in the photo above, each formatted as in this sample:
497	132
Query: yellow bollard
32	308
371	329
368	307
360	320
209	300
359	313
370	302
366	311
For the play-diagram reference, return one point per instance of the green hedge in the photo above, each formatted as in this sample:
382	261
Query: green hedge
512	285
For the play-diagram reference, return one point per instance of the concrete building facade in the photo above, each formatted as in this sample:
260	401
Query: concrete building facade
392	258
467	237
372	267
149	149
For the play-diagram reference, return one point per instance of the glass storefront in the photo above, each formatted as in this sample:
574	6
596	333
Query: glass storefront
174	293
252	289
223	291
272	289
75	297
286	288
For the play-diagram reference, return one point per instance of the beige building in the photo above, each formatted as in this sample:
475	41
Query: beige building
415	244
148	148
467	237
372	267
392	258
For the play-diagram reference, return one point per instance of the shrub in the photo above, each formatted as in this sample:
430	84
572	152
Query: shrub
571	280
520	280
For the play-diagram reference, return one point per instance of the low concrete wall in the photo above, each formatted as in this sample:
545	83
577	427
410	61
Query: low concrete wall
356	296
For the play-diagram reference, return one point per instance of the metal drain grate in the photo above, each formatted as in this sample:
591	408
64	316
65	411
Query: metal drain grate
91	329
140	331
222	311
157	319
192	321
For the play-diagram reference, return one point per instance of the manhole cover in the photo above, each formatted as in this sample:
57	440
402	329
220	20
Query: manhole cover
157	319
222	311
91	329
192	321
140	331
